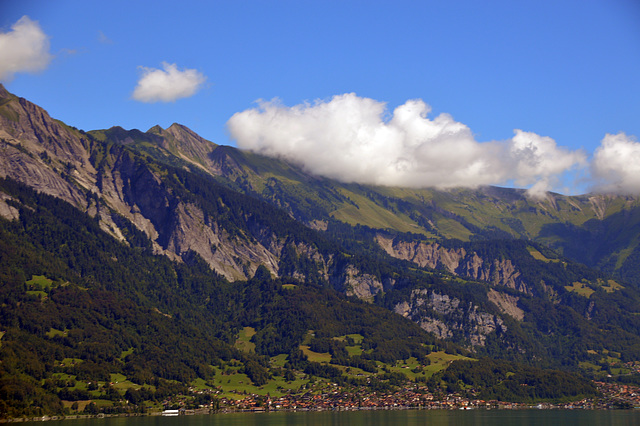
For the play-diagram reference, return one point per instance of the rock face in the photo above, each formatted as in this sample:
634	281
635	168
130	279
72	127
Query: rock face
109	181
7	211
354	283
457	261
185	143
508	304
42	152
447	317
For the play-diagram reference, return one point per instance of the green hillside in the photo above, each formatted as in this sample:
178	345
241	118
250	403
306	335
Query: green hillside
89	322
487	223
80	307
164	271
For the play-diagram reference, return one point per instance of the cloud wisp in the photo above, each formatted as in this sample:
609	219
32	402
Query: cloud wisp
354	139
168	84
102	38
25	48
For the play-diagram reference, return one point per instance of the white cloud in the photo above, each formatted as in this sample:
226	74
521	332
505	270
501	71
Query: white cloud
539	161
616	165
23	49
349	139
168	85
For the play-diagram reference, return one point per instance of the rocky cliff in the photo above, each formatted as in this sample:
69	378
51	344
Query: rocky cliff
450	318
42	152
108	181
100	173
498	272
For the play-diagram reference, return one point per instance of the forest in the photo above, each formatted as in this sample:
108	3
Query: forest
80	307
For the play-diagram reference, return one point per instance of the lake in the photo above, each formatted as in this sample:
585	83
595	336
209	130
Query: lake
384	418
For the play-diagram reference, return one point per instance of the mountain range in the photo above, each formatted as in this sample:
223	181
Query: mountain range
118	245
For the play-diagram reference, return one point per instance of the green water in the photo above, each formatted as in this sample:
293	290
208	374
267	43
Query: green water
385	418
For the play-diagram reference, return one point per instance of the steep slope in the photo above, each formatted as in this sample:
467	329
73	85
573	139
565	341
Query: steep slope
602	231
103	176
566	310
82	310
42	151
185	197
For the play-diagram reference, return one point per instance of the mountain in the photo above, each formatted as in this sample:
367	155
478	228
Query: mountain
118	245
80	307
114	183
598	230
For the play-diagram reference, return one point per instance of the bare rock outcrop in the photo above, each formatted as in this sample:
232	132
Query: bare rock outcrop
354	283
7	211
508	304
499	272
448	317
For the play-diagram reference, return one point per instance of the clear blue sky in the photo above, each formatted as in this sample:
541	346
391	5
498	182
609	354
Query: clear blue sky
568	70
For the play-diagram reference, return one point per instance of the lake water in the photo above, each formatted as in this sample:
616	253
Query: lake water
385	418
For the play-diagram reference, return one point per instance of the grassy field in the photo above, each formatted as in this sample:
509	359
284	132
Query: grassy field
39	286
279	360
584	288
366	212
236	385
232	383
70	361
356	348
315	356
539	256
610	286
123	354
609	363
55	332
414	369
82	404
40	281
441	360
580	288
121	383
244	342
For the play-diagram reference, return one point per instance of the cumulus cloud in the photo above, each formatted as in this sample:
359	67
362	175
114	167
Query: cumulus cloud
353	139
539	161
616	165
25	48
168	84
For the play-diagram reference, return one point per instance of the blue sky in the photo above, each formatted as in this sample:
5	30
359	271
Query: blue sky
560	70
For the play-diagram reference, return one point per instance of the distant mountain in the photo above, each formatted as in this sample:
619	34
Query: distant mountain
164	232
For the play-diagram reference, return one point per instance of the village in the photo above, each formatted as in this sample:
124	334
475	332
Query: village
614	396
335	398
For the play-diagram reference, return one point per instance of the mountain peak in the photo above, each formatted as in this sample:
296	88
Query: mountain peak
177	128
4	93
174	130
156	130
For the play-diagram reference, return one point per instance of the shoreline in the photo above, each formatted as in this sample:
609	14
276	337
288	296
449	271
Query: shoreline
205	411
613	397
